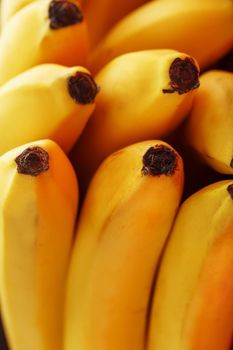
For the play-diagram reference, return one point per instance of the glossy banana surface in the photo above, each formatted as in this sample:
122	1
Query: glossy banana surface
193	305
124	223
47	101
38	204
202	29
143	95
45	31
209	128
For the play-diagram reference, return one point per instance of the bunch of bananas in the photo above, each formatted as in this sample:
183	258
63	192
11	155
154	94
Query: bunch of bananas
116	189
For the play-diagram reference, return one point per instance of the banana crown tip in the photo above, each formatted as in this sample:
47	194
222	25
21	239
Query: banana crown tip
63	13
184	76
82	88
230	190
159	160
32	161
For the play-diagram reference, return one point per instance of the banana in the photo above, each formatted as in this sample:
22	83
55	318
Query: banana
38	205
193	304
47	101
185	26
10	7
124	222
45	31
143	95
103	14
209	127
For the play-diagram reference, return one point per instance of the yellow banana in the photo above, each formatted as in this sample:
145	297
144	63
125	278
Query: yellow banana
125	220
101	15
209	128
203	30
47	101
193	304
143	95
45	31
38	204
10	7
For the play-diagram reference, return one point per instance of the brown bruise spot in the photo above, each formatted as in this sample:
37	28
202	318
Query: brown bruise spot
63	13
230	190
184	76
32	161
159	160
82	88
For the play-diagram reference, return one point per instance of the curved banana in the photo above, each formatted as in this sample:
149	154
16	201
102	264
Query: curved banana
101	15
38	205
193	304
209	128
143	95
45	31
10	7
47	101
181	25
124	223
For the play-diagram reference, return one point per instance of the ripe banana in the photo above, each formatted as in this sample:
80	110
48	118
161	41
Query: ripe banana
10	7
103	14
45	31
143	95
209	128
203	30
38	204
124	223
193	304
47	101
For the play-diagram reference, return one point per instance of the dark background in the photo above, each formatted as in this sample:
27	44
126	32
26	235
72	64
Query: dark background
3	345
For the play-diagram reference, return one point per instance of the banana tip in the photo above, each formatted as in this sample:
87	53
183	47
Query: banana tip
32	161
82	88
63	13
184	76
159	160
